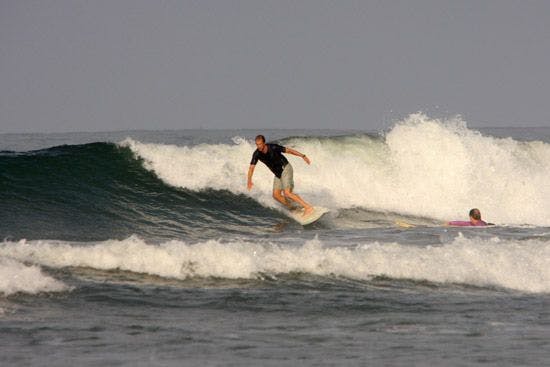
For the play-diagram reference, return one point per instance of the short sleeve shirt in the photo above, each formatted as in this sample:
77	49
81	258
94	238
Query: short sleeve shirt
273	159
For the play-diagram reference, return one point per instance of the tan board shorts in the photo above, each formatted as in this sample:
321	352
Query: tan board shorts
286	181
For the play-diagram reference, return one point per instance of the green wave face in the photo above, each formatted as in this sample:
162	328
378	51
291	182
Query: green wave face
100	191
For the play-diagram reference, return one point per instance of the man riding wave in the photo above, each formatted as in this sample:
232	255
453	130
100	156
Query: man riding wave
283	182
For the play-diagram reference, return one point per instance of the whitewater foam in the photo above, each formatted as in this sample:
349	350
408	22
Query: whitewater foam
16	277
422	167
523	266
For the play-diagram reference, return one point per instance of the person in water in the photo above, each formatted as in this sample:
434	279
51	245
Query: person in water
475	220
283	183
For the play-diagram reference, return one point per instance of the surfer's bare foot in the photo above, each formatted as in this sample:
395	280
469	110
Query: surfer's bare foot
308	211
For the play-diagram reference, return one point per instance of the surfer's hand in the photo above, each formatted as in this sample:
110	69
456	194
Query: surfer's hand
249	185
306	159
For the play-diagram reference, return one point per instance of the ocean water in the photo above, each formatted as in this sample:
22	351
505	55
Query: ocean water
144	248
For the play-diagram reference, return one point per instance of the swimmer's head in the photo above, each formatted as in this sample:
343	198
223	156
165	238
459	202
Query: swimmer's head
475	214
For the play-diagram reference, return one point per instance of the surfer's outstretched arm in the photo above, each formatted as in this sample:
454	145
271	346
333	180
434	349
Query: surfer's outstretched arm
297	153
249	183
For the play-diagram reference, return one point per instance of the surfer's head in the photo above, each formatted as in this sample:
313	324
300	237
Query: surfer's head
260	138
475	214
260	142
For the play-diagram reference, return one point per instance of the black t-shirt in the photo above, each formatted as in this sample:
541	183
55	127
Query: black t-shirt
274	158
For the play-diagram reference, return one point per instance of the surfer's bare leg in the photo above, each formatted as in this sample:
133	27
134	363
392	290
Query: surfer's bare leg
308	209
277	195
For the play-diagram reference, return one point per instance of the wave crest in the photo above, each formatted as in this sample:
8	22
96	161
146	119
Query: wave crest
523	266
422	167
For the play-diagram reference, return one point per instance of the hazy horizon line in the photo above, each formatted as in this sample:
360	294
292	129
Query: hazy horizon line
240	129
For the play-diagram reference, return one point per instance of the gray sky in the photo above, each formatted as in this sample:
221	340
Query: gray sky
139	64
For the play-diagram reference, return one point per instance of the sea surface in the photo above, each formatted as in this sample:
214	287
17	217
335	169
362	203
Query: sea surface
145	248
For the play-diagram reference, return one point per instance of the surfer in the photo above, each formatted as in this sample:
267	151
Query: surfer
475	220
283	182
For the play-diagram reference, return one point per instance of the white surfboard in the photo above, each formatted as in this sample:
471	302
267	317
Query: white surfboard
298	215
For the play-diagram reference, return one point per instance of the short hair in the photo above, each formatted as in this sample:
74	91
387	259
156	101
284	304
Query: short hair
260	137
475	213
